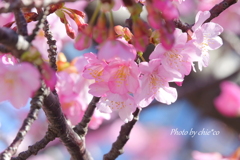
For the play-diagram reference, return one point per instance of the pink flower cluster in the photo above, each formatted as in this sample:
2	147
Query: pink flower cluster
124	85
17	85
73	93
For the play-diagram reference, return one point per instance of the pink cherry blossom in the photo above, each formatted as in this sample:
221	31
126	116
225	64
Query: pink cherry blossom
179	59
18	83
206	37
154	84
119	49
123	104
123	76
228	102
95	68
119	77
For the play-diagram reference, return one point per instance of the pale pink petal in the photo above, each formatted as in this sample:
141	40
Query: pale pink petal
117	85
146	67
34	83
80	63
166	95
200	18
212	29
19	97
98	89
146	94
102	106
126	114
214	43
158	52
199	37
181	37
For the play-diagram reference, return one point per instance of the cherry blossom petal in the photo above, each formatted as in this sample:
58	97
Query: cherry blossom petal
214	43
158	52
212	29
200	18
98	89
166	95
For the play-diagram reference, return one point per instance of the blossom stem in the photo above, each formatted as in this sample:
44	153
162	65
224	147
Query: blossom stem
95	13
111	30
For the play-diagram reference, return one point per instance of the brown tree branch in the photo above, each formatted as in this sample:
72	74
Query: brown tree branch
82	127
36	104
35	148
74	144
52	46
219	8
117	146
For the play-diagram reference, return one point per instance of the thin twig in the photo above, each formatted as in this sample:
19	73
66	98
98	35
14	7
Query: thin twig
39	25
35	148
52	46
117	146
36	104
82	127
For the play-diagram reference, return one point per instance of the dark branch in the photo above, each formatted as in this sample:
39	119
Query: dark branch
35	148
58	123
52	46
184	27
117	146
82	128
41	18
13	42
36	104
3	49
21	22
219	8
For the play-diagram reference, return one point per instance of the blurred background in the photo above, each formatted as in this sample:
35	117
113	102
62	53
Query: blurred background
154	136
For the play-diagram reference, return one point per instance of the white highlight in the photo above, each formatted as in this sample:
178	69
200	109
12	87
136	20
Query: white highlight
22	44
